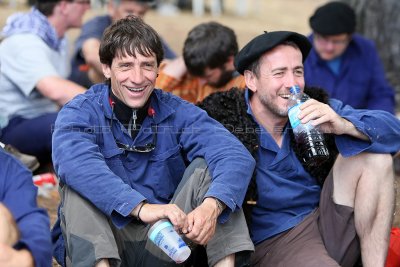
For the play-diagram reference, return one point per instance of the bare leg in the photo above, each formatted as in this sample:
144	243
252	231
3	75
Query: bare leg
228	261
366	183
103	263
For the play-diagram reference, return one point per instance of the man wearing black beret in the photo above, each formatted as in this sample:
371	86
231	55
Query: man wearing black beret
343	62
299	220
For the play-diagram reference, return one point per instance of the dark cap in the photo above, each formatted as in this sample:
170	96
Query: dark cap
265	42
333	18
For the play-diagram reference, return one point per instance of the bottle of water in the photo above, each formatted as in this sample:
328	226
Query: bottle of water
309	139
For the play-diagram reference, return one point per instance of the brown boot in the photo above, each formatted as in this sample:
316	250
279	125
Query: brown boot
29	161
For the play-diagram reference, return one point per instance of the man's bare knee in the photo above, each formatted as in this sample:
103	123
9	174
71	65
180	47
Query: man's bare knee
382	162
375	171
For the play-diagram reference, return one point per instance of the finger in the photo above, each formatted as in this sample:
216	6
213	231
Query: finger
206	229
176	216
206	235
190	222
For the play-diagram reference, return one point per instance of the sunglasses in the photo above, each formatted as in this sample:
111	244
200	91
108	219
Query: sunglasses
140	149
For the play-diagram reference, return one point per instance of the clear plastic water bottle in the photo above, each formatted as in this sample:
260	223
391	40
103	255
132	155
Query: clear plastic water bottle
309	139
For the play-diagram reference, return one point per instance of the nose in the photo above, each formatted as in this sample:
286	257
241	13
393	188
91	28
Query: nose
290	80
136	76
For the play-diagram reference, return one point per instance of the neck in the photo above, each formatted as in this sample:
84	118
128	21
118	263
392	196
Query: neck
124	112
58	25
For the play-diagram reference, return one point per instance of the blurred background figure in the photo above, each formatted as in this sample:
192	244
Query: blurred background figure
24	227
206	66
344	63
86	66
34	67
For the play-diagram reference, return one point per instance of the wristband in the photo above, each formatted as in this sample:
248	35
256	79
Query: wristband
220	205
140	209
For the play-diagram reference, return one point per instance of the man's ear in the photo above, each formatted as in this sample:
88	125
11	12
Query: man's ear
106	70
250	79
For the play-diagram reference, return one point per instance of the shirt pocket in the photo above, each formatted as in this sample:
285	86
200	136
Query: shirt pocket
113	161
112	156
167	169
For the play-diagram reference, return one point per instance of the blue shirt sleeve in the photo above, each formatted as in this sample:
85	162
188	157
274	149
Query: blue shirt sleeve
32	221
231	165
382	128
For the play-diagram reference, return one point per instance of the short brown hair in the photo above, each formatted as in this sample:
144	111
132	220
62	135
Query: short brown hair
130	35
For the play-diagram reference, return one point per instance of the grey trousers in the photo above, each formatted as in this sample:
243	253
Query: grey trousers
90	235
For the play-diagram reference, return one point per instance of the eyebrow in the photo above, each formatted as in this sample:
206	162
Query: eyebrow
286	68
279	69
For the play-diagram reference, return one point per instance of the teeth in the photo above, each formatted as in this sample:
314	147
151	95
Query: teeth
285	96
135	89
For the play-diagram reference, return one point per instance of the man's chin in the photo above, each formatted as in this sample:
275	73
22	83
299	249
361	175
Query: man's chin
328	57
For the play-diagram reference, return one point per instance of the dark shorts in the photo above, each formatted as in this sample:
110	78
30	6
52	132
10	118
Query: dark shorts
326	237
31	136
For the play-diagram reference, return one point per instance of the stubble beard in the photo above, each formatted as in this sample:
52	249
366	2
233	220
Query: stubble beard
270	105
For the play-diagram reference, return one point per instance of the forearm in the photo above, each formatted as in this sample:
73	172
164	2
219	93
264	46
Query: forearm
175	68
24	258
90	51
351	130
15	258
58	89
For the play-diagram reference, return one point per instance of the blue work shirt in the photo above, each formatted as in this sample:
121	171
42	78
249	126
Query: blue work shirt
87	158
286	192
361	80
18	194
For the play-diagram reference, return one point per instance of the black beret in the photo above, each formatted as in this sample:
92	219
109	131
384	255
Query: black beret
265	42
333	18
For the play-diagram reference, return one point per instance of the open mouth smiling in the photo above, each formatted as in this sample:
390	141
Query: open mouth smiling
136	90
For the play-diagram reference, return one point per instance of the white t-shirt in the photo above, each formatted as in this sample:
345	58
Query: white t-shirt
24	60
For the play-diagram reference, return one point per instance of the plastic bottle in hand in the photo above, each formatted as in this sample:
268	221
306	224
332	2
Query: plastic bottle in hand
309	139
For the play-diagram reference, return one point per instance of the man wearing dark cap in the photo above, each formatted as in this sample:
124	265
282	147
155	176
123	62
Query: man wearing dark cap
297	220
344	63
86	66
34	67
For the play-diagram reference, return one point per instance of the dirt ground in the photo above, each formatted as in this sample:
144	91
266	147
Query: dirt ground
260	15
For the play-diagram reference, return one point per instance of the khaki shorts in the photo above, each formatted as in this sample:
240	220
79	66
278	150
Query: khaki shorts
326	237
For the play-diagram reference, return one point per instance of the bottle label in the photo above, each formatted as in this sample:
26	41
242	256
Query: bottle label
293	114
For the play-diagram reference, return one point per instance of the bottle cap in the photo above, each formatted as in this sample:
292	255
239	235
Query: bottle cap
295	89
